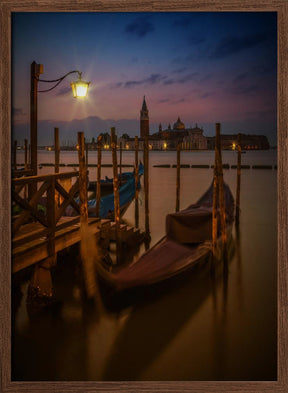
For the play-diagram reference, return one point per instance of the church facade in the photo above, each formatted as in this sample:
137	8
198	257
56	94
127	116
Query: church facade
168	139
189	138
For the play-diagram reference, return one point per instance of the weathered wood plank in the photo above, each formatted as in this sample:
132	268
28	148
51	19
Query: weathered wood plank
68	199
31	179
37	250
30	208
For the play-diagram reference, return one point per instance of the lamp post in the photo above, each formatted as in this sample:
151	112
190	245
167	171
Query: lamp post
79	89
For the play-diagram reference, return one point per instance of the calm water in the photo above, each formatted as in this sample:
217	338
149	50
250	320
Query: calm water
198	329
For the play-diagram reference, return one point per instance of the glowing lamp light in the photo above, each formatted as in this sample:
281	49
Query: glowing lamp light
80	88
165	145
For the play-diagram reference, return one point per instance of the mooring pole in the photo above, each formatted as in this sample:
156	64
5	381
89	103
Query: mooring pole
238	180
136	184
221	193
25	164
116	193
56	149
88	262
82	179
86	148
26	154
215	206
146	184
120	163
178	178
98	183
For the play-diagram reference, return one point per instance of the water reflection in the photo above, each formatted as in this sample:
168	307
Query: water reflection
157	318
240	292
196	329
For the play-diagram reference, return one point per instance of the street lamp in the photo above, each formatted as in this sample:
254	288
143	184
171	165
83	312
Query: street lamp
79	89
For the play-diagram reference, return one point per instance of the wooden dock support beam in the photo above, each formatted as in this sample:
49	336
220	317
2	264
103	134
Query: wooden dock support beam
116	193
238	180
178	178
40	290
98	184
136	183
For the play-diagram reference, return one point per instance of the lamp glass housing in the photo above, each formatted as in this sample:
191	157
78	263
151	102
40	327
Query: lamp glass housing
80	88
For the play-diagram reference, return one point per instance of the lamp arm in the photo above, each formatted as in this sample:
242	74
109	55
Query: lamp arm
59	80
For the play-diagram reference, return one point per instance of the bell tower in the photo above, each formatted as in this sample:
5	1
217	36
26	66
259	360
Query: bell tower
144	120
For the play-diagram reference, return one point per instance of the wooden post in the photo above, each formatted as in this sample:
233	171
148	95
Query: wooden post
86	148
33	116
178	179
41	287
35	71
26	153
82	180
116	193
120	163
215	204
136	184
146	184
98	183
56	149
238	180
51	219
88	262
221	193
15	156
25	163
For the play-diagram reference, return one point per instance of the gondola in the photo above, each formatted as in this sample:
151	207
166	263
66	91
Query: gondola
186	245
126	196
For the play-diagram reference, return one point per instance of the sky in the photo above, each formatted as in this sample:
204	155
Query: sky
204	67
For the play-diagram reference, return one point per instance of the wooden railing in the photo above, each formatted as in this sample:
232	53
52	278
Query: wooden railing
21	172
50	193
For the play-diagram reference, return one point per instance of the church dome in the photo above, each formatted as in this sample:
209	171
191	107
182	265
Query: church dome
179	125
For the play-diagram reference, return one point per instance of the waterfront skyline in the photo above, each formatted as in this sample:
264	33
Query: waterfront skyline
204	67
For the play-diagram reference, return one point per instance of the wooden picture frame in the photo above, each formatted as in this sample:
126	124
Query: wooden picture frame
9	6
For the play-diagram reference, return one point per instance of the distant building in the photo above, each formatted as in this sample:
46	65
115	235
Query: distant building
144	120
190	138
248	142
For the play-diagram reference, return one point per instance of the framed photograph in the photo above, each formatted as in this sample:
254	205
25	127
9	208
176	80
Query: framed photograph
144	161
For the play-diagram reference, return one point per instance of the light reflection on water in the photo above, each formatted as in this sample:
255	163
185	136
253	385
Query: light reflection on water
199	328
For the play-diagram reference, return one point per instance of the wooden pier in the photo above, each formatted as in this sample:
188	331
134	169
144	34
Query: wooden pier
40	228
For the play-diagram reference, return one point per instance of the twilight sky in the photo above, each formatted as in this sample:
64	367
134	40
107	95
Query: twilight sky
204	67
